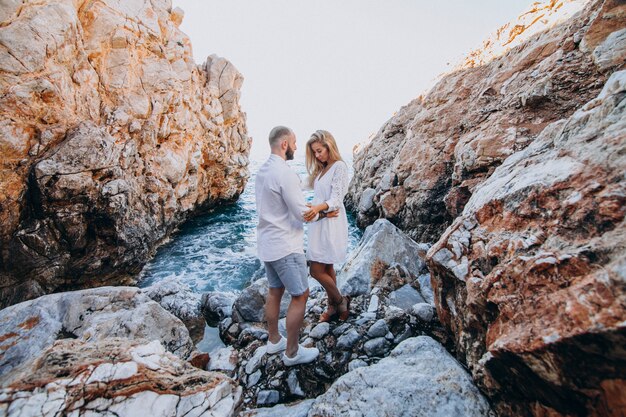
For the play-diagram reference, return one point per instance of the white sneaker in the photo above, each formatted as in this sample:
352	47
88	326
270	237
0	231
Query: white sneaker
303	355
276	347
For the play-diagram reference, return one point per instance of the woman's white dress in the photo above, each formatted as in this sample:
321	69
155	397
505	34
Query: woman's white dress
328	238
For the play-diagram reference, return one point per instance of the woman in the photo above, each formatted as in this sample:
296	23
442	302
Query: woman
328	238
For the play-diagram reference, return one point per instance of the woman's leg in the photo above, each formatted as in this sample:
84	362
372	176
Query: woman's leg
330	270
320	271
343	305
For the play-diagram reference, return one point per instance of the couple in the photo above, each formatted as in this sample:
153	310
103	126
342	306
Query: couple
282	211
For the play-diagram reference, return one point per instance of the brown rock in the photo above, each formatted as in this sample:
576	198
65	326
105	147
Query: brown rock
530	278
438	148
110	137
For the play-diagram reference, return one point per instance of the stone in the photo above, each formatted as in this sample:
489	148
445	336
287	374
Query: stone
424	311
268	397
122	377
294	384
255	361
348	339
381	244
405	297
426	289
378	329
357	363
418	378
217	305
298	409
377	347
320	330
251	302
178	298
224	359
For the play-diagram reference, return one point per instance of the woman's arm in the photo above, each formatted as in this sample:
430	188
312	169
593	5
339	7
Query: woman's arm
339	187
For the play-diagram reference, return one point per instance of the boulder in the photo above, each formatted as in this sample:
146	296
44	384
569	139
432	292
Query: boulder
178	298
116	376
530	278
33	326
419	377
382	245
217	305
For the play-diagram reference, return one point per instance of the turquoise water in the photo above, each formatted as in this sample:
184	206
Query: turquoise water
217	251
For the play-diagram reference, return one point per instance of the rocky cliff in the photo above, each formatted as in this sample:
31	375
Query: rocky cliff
110	137
515	168
423	165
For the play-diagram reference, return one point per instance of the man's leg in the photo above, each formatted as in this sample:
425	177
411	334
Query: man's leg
295	317
272	311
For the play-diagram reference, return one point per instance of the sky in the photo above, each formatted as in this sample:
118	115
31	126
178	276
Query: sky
340	65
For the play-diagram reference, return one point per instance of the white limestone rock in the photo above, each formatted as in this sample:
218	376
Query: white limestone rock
419	377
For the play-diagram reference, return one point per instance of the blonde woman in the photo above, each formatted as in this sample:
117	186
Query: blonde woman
328	238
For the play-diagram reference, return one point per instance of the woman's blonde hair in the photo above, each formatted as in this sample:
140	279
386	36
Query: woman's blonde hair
313	166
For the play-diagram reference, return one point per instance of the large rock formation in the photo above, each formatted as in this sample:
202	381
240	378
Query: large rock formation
110	137
531	278
426	162
120	378
515	168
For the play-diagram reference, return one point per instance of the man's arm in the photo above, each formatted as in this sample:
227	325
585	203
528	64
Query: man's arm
292	195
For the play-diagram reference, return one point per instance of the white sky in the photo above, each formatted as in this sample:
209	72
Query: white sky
340	65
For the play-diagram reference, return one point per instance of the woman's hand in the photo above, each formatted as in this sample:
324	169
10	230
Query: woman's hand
314	210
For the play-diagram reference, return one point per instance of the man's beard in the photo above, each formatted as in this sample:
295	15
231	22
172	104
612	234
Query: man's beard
289	153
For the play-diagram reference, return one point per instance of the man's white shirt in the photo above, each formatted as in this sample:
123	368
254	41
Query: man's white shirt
280	206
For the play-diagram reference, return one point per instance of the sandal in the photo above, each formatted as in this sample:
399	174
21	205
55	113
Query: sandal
343	315
327	316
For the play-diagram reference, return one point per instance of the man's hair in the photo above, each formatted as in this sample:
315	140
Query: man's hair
277	134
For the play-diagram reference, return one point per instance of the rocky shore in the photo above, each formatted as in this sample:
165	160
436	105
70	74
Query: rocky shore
110	137
489	281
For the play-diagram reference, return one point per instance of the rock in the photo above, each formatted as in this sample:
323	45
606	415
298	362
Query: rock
320	331
294	384
217	305
357	363
111	137
199	360
177	298
255	361
224	359
405	297
426	289
378	329
116	377
541	243
250	304
254	378
427	160
418	378
91	315
348	339
377	347
382	245
299	409
268	397
424	312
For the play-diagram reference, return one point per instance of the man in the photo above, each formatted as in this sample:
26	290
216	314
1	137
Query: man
280	206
